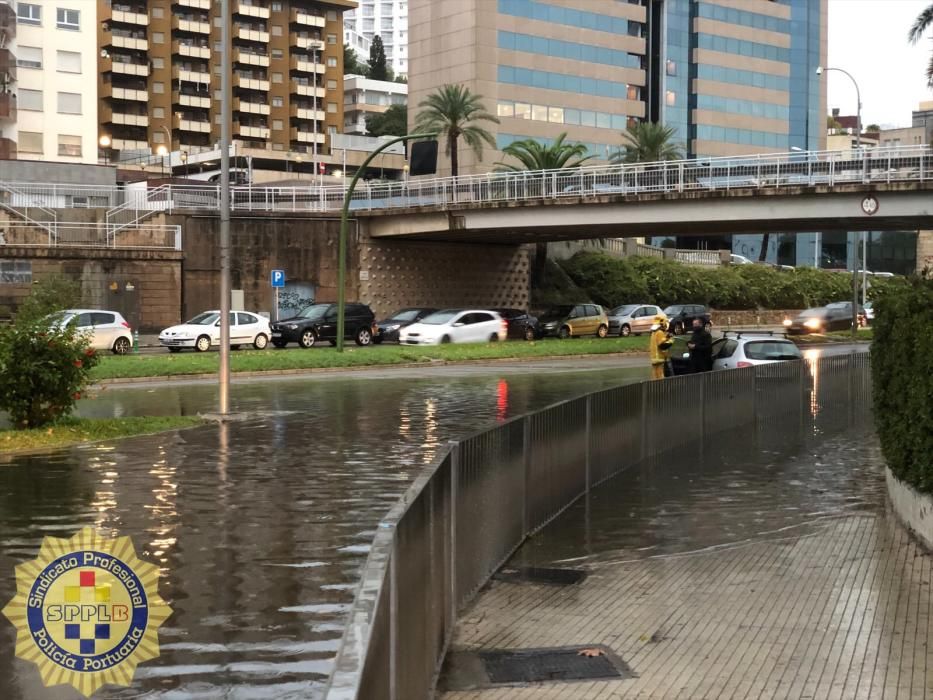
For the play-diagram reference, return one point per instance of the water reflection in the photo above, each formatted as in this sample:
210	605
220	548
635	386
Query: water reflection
260	526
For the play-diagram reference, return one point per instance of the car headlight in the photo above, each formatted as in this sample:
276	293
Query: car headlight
293	326
787	322
813	323
393	327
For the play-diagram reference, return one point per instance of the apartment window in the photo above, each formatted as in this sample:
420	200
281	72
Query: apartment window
217	96
276	30
69	61
158	112
158	88
29	99
158	62
278	146
278	53
331	84
522	110
158	136
277	78
506	109
69	103
157	13
29	57
331	107
331	62
29	141
68	19
331	16
69	145
277	124
539	113
15	271
331	38
28	13
158	37
278	102
276	7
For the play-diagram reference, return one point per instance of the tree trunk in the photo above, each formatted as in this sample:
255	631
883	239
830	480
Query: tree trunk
452	144
764	247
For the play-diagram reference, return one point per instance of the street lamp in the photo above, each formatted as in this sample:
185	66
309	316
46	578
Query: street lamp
105	144
298	160
858	148
184	163
162	151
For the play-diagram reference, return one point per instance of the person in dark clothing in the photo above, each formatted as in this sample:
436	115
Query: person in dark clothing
701	348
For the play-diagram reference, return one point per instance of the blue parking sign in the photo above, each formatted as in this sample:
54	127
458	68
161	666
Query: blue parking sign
278	278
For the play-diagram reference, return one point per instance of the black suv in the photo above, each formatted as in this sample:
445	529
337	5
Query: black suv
680	317
319	322
521	324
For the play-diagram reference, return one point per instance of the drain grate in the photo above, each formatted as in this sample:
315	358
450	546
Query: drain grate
553	664
532	574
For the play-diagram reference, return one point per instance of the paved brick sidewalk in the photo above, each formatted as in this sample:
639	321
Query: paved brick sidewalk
836	609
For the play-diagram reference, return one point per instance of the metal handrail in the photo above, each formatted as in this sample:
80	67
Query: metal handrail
93	235
49	224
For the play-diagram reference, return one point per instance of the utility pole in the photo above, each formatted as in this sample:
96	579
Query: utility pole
225	105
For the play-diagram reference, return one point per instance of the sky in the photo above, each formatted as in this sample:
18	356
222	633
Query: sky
868	38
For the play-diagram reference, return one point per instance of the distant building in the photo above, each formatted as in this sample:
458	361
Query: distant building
362	96
386	18
8	110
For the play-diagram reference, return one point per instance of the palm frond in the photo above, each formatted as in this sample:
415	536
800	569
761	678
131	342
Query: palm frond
924	20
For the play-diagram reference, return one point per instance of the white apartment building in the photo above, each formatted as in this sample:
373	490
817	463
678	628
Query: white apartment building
388	19
362	96
56	81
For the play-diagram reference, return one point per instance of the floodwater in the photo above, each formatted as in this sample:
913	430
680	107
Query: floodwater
259	527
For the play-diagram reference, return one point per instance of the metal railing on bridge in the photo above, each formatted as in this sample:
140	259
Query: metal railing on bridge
465	516
912	164
65	234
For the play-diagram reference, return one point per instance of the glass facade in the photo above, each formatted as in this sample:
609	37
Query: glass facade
562	115
563	82
527	43
742	48
532	9
750	108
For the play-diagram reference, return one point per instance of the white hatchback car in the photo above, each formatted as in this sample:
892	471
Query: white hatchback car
455	326
747	349
106	330
203	331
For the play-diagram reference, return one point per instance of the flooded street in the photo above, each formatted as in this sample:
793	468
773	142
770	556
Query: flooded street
259	527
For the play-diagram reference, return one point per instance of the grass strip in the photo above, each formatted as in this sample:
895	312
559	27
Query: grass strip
74	431
186	363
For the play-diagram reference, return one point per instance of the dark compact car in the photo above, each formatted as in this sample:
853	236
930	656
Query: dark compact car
680	317
319	322
521	324
832	317
387	331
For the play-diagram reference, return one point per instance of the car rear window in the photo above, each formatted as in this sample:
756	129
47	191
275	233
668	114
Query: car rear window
726	348
771	350
102	319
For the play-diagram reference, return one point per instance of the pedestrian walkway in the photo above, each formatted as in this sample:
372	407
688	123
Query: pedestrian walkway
804	588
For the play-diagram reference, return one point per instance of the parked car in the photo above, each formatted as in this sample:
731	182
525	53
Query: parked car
387	331
521	325
737	259
869	312
680	317
455	326
568	321
318	322
106	330
822	319
203	332
632	319
738	349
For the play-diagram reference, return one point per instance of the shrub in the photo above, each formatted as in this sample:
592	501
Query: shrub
902	373
52	293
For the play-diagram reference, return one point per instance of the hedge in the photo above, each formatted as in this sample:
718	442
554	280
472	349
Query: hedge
612	281
902	374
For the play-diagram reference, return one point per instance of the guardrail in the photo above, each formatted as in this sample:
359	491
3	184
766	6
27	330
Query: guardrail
66	234
756	172
466	514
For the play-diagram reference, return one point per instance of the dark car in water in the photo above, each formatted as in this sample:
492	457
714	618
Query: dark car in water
387	330
823	319
318	322
521	324
680	317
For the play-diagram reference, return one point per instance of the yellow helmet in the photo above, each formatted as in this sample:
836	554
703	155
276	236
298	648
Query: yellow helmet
660	320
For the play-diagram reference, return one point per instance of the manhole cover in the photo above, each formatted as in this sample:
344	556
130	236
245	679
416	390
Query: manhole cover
554	664
531	574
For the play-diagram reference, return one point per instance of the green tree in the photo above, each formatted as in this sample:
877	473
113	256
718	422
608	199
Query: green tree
833	125
351	62
450	111
872	128
533	155
378	65
648	142
921	24
48	295
392	122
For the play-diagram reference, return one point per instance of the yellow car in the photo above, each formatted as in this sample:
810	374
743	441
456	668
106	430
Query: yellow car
573	321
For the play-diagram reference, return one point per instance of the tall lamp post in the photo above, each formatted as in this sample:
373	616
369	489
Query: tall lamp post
105	144
864	244
226	93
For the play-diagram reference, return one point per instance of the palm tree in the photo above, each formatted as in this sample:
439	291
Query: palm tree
921	24
450	112
648	142
533	155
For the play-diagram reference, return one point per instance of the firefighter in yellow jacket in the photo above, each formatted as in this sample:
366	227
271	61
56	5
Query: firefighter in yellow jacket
659	346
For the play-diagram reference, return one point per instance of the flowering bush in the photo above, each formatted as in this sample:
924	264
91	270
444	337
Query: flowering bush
43	371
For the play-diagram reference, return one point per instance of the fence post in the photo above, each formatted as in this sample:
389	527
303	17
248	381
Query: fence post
393	619
587	456
643	447
454	495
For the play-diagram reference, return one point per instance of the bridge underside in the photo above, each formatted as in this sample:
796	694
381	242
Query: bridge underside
902	207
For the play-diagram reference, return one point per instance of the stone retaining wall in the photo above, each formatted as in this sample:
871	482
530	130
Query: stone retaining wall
913	509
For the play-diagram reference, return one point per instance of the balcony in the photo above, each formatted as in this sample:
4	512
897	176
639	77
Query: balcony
108	65
305	113
194	26
258	35
195	125
129	145
306	136
195	4
129	42
7	149
306	90
251	107
198	101
140	19
252	132
242	8
119	93
250	83
124	119
250	59
191	76
306	43
7	107
302	65
190	51
307	20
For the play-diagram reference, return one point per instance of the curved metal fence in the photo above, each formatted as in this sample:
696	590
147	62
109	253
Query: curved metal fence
464	516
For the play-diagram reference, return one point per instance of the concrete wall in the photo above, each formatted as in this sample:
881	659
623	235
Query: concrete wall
924	250
70	173
912	508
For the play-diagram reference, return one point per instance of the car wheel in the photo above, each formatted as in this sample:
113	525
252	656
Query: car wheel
625	331
602	332
279	343
445	340
678	328
564	333
494	338
121	346
529	333
174	349
203	344
260	341
364	337
307	339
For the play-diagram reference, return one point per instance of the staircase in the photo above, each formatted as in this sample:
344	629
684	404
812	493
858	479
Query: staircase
20	204
138	207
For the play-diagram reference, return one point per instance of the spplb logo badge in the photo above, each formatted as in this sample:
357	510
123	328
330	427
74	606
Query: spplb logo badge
87	611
